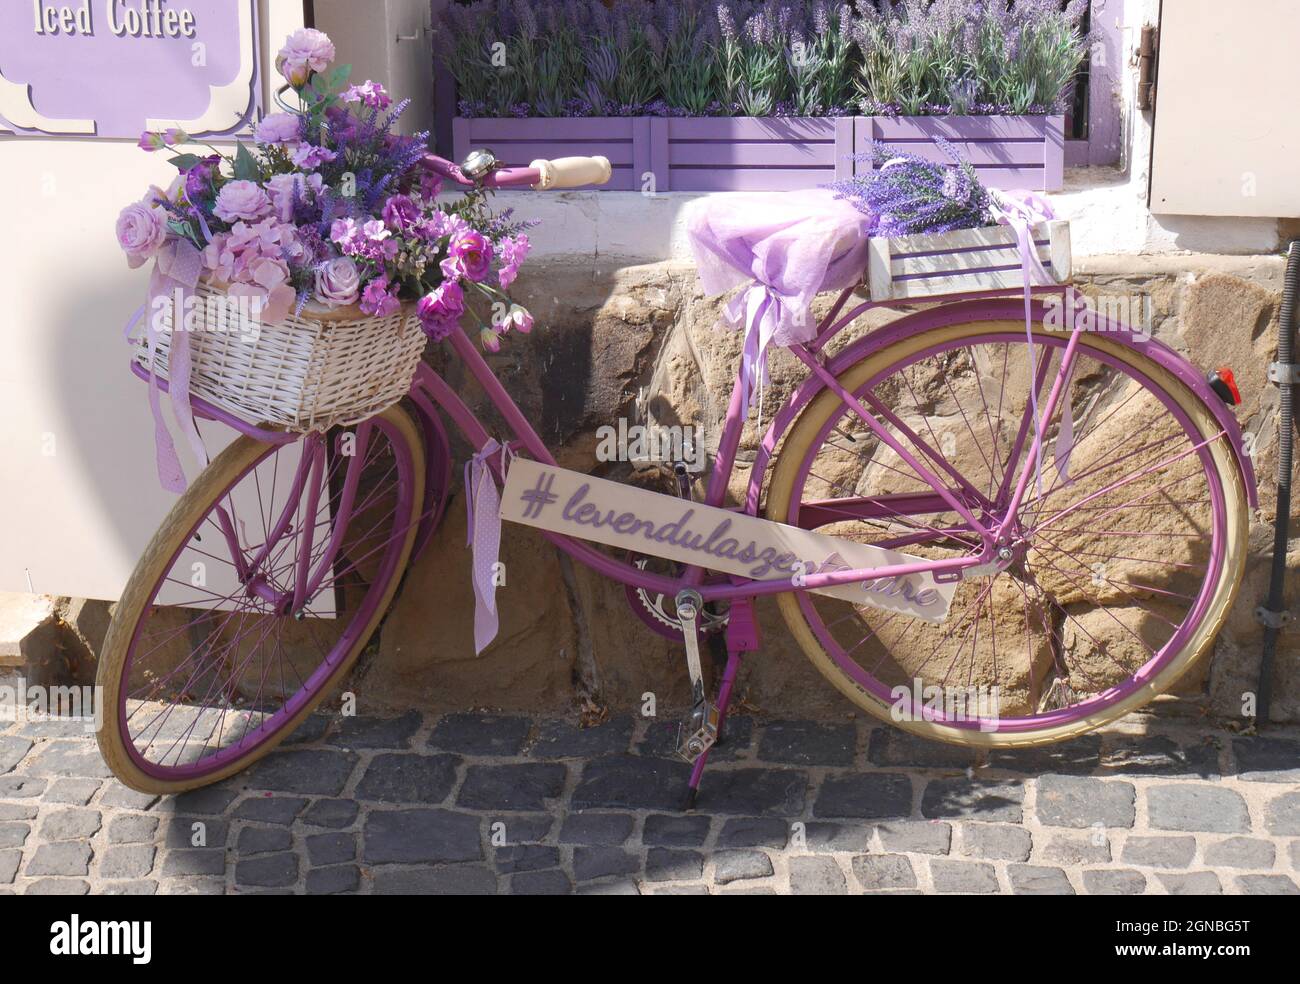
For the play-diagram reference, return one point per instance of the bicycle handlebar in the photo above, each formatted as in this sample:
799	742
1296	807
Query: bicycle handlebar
541	175
572	172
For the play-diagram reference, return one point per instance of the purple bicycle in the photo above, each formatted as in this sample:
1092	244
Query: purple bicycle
1073	597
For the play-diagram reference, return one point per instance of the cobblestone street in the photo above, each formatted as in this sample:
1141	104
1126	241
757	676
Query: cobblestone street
482	804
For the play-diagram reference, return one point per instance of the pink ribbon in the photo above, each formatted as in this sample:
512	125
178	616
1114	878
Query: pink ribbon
1022	210
483	536
175	273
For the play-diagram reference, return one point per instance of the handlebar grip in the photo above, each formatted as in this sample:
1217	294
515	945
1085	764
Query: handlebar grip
571	172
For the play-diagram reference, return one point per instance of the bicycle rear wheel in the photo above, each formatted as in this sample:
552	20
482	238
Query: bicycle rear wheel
1127	557
229	633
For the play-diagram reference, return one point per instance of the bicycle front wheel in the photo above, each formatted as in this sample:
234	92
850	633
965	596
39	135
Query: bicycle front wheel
1128	550
254	599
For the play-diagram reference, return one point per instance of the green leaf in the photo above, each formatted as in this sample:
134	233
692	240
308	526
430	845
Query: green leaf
246	168
186	161
337	78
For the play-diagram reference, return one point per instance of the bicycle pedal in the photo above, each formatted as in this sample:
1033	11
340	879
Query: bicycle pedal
698	732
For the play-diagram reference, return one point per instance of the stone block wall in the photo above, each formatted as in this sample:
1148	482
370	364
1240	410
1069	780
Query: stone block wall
641	343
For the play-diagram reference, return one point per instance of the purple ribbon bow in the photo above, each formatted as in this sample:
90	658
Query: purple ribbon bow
483	529
175	274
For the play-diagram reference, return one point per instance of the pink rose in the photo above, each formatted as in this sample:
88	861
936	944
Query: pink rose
472	252
401	213
279	128
306	50
241	200
338	282
141	231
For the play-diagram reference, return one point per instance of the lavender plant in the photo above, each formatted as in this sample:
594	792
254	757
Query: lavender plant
907	195
762	57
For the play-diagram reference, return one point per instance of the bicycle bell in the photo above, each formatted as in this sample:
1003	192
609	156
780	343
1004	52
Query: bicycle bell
479	164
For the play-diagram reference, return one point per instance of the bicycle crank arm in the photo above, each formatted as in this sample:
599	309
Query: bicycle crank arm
699	732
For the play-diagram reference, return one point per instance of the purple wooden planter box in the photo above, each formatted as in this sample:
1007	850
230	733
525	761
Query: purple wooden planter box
738	153
1025	152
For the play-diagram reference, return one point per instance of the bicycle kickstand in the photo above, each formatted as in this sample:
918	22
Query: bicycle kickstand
702	729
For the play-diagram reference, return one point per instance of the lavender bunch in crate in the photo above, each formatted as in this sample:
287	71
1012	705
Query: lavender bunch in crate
908	195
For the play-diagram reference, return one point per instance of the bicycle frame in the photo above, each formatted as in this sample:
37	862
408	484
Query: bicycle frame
429	388
432	394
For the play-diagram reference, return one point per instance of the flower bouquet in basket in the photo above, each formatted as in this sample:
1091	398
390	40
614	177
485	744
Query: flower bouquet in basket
299	275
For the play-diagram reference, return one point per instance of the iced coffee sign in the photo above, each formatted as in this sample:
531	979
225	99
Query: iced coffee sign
112	68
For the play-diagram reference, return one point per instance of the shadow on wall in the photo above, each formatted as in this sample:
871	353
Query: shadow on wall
106	427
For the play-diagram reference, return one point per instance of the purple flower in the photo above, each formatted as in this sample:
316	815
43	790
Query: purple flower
472	253
309	156
430	185
440	310
279	128
370	93
401	213
141	231
338	282
376	231
241	200
283	187
345	233
150	141
198	179
307	50
380	298
514	249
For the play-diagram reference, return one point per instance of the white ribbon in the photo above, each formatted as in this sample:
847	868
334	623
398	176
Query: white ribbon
1022	213
483	536
761	311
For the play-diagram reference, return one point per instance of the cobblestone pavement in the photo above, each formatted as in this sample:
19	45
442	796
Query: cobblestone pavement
472	803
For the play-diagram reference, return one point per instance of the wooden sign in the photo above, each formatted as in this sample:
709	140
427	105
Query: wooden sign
577	505
114	68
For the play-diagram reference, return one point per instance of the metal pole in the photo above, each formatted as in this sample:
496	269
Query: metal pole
1272	613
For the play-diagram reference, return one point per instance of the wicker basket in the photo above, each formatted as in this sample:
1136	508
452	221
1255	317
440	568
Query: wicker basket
311	371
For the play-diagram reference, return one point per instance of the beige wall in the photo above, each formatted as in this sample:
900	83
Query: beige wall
79	496
1227	134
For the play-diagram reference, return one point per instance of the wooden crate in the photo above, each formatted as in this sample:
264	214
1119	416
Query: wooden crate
965	261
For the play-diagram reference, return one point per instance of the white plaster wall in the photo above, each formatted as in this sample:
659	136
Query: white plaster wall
79	496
